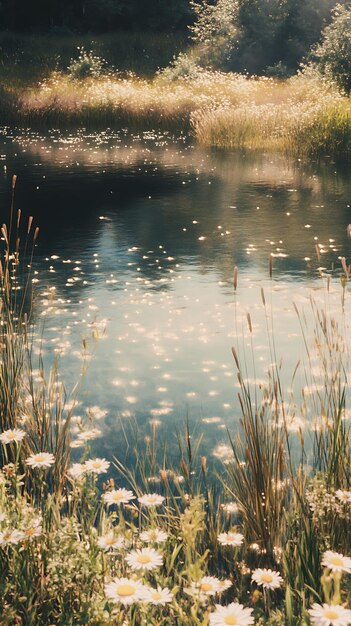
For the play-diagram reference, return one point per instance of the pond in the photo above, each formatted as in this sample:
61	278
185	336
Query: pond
139	237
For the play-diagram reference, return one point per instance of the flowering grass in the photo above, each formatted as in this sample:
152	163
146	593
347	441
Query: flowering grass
266	542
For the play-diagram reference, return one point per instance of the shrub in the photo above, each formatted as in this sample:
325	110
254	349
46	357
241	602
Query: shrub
332	56
87	65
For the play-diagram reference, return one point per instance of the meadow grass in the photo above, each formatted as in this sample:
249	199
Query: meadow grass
262	541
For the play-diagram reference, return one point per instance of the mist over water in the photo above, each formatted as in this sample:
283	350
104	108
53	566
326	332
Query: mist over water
139	236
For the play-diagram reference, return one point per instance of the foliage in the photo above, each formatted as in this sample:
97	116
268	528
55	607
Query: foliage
87	65
333	55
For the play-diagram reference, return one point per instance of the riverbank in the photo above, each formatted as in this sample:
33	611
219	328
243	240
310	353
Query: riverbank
302	116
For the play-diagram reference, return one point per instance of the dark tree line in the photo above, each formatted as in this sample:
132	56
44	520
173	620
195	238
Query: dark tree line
94	15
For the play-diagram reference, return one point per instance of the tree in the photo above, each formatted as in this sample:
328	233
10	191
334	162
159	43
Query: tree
333	55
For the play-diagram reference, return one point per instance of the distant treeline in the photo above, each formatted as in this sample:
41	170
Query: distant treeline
263	33
95	15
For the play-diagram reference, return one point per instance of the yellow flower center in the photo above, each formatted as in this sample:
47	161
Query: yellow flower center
96	464
206	587
267	578
110	541
156	596
30	531
125	590
230	620
336	560
39	458
143	559
330	614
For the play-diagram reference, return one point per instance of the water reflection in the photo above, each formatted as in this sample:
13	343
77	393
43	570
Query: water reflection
139	237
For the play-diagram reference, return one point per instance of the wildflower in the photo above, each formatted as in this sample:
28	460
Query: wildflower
77	470
146	558
97	466
42	459
157	596
267	578
124	590
11	536
224	585
329	615
13	435
154	535
230	539
118	496
234	613
111	541
207	586
33	529
336	562
151	499
343	496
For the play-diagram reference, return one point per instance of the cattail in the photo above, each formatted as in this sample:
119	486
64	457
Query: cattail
263	297
344	267
18	218
163	476
4	232
14	178
348	231
184	468
30	221
204	465
249	322
318	253
270	266
235	277
36	233
235	355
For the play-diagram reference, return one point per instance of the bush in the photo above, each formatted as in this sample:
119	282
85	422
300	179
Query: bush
87	65
332	56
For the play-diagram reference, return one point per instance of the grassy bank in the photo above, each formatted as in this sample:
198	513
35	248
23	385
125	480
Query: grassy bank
265	541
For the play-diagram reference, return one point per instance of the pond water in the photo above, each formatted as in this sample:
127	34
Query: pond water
139	235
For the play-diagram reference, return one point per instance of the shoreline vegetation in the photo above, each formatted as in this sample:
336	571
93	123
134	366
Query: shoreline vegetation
305	116
264	542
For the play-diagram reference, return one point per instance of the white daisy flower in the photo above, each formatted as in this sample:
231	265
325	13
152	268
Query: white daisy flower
124	590
329	615
343	496
42	459
234	613
207	586
118	496
224	585
151	499
267	578
157	596
336	562
97	466
77	471
145	559
13	435
11	536
111	542
33	529
153	535
230	539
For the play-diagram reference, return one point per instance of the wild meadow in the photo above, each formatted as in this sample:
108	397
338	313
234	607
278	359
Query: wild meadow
263	540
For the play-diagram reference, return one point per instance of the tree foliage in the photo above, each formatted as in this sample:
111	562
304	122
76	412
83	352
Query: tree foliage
333	55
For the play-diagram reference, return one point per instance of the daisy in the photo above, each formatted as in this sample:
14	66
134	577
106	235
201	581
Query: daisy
336	562
97	466
207	585
33	529
157	596
11	536
234	614
267	578
154	535
343	496
42	459
77	471
151	499
118	496
330	615
230	539
224	585
124	590
146	558
13	435
111	541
